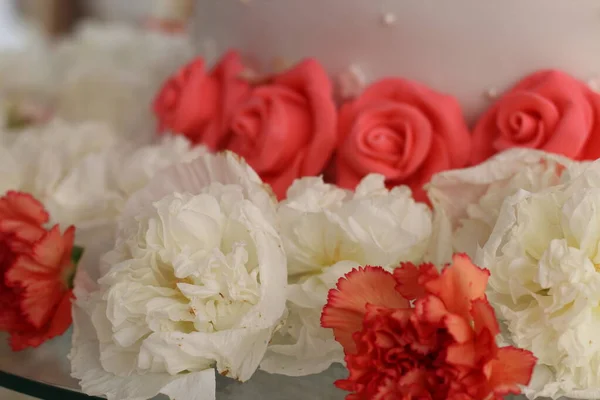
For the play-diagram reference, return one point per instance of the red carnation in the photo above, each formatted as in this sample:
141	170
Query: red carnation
419	334
37	268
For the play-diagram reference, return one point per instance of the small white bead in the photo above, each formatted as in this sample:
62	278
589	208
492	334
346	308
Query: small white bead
492	93
594	84
389	19
351	82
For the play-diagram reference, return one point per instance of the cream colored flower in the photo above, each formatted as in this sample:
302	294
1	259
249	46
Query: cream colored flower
328	231
111	73
467	201
104	72
41	158
197	280
543	255
84	174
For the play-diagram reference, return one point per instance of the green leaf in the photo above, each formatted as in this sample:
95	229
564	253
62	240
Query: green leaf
76	254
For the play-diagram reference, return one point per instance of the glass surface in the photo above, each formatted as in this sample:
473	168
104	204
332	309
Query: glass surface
44	372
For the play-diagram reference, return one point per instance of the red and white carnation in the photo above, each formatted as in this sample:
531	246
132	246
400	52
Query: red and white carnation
418	333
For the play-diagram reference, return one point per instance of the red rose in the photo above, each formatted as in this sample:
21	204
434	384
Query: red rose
286	128
198	104
548	110
402	130
421	334
36	267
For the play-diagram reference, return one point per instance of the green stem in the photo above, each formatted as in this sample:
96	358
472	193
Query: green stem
76	255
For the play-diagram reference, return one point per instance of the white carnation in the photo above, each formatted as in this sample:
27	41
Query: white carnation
197	281
41	158
84	174
328	231
543	255
27	74
111	73
467	201
107	73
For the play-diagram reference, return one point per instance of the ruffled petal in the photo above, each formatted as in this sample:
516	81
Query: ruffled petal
22	207
40	275
484	317
58	324
459	284
411	279
511	367
346	305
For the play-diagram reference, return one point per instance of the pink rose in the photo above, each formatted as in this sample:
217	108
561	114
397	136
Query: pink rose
402	130
198	104
286	128
548	110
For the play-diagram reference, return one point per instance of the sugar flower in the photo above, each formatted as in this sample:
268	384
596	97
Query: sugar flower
417	333
467	201
545	282
196	281
328	231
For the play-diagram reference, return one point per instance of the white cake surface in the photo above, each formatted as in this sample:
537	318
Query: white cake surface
470	49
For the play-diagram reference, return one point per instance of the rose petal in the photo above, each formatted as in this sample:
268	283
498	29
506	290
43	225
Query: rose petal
442	111
572	133
388	138
437	160
567	111
309	78
276	117
526	120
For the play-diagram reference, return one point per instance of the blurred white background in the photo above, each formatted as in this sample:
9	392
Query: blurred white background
12	30
12	35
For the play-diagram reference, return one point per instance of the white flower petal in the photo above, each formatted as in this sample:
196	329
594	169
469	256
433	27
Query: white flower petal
545	282
467	201
327	232
94	380
197	280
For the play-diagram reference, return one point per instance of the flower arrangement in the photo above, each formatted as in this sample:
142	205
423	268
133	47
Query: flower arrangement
398	128
270	226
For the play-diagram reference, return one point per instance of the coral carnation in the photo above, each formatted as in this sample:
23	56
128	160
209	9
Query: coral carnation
37	269
421	334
